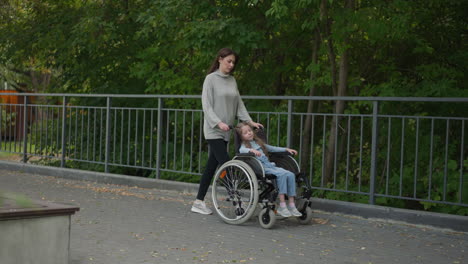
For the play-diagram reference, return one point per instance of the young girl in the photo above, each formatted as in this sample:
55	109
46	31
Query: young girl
286	180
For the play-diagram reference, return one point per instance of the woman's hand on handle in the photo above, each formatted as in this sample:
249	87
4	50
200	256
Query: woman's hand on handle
223	126
255	124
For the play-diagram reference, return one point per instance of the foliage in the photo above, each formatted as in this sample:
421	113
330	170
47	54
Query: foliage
385	48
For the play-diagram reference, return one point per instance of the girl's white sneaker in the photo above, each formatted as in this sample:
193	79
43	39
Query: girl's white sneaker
294	211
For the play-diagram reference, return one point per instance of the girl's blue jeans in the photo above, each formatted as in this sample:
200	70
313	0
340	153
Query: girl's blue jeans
286	180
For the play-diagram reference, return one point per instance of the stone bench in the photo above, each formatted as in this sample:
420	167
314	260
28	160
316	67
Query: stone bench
38	234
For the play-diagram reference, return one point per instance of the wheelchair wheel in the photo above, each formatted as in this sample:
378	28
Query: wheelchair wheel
235	192
306	216
267	218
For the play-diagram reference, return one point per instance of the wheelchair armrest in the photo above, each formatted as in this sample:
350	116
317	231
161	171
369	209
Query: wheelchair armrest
280	154
245	155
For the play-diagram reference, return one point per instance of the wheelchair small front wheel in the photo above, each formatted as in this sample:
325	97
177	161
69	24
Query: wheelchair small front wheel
306	216
235	192
267	218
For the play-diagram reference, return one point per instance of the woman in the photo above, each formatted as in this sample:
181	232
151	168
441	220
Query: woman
221	105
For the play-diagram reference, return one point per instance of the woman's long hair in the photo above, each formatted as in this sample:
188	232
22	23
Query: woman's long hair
222	53
257	140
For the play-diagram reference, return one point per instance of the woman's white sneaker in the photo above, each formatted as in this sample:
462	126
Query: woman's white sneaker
200	207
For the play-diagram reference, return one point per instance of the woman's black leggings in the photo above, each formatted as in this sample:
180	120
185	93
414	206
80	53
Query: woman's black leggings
218	155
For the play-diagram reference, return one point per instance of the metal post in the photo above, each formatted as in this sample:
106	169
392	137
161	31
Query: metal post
289	132
159	139
25	130
64	130
108	134
373	171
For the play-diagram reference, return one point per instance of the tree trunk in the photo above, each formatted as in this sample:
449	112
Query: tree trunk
310	106
326	24
339	107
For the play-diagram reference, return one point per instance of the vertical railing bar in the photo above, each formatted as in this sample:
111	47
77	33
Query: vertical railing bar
335	155
25	130
183	138
430	159
361	139
278	130
70	134
52	142
94	133
159	138
312	135
36	125
151	137
268	127
57	130
300	139
446	159
128	135
388	153
122	118
143	139
167	138
136	137
47	130
108	134
114	147
289	135
175	140
82	134
347	152
375	132
48	147
101	124
402	153
64	129
76	132
15	138
40	131
460	189
88	135
191	142
13	134
416	156
323	149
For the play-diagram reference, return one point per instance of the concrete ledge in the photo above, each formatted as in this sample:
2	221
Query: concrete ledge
454	222
99	177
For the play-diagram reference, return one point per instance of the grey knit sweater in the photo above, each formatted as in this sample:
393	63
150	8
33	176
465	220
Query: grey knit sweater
221	103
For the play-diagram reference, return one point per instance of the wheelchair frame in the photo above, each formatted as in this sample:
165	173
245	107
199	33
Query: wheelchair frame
240	185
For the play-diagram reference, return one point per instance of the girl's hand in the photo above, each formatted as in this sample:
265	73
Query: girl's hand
256	125
256	152
292	151
223	126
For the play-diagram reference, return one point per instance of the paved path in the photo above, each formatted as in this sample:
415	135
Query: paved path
121	224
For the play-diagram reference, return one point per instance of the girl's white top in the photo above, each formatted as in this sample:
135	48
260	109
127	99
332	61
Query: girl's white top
263	159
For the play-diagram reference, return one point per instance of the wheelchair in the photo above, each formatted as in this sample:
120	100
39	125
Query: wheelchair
240	186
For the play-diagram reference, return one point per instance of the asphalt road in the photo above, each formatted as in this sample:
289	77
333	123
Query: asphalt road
122	224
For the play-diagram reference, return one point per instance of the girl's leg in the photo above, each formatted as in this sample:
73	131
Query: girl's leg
217	156
291	181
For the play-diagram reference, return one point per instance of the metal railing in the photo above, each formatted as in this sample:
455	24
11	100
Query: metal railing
374	149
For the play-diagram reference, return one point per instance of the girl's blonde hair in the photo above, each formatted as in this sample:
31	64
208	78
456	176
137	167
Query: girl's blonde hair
258	140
